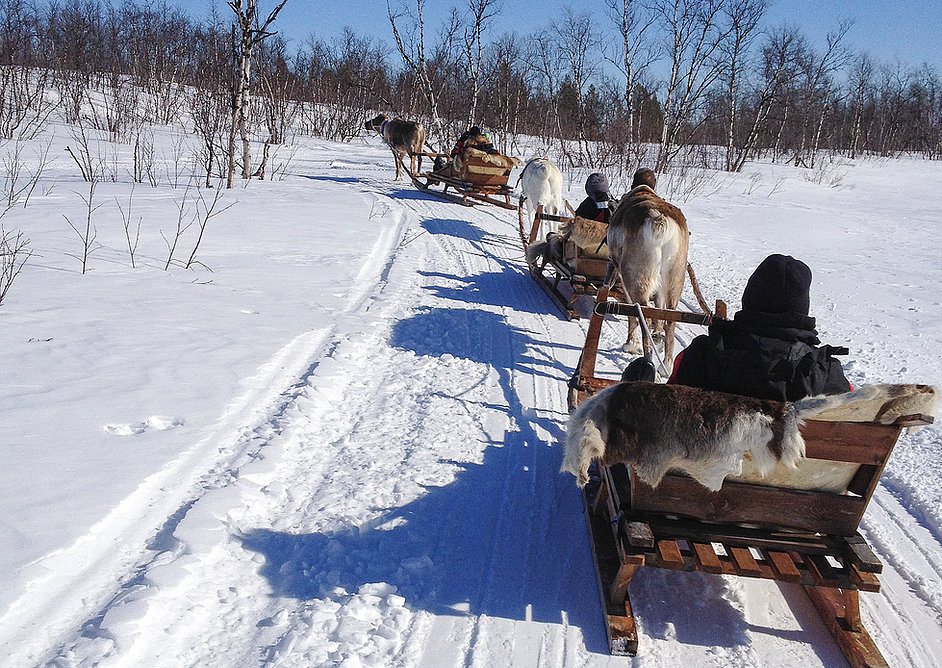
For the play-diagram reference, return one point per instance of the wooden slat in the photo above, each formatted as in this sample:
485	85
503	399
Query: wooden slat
857	442
857	646
639	534
852	609
600	501
862	556
864	581
621	628
745	563
592	268
670	315
619	620
535	227
670	554
591	349
823	572
752	504
706	558
784	567
727	534
618	591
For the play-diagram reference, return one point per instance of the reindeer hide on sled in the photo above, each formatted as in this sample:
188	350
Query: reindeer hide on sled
589	235
656	428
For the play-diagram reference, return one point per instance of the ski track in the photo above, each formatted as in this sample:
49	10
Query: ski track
279	554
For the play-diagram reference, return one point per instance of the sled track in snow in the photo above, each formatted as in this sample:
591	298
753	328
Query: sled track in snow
277	555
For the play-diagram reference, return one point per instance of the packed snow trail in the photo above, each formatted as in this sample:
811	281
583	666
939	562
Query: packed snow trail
387	494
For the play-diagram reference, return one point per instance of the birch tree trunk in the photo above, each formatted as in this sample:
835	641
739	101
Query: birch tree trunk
250	34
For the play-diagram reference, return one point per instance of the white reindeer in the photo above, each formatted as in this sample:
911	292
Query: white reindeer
541	184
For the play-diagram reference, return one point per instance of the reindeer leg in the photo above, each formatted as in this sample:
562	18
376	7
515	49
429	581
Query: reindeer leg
669	344
632	345
398	165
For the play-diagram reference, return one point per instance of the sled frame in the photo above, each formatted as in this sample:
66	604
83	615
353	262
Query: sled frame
585	273
632	526
584	383
490	188
805	537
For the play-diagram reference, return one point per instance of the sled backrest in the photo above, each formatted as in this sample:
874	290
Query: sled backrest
485	169
855	452
593	267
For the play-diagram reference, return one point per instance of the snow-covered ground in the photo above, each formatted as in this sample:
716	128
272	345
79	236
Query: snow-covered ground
336	440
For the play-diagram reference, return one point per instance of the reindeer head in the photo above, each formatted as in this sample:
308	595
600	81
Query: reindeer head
375	123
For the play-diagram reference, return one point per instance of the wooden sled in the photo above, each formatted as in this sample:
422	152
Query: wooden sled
750	527
477	179
582	271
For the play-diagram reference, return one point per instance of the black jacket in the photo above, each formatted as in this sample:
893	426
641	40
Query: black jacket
589	209
764	355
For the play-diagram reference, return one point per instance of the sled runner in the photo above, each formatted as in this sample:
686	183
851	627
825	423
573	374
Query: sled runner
475	177
798	527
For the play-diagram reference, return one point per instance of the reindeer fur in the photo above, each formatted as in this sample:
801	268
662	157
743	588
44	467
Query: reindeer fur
589	235
647	242
541	184
404	138
655	428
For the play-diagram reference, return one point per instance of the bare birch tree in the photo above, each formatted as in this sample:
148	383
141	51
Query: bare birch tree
577	44
744	17
779	63
411	47
861	92
634	54
695	31
481	12
251	32
820	90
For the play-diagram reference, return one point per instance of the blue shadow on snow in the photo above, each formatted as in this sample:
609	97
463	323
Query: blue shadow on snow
506	538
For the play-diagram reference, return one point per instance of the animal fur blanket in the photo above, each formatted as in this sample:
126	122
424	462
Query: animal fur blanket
489	161
587	234
655	428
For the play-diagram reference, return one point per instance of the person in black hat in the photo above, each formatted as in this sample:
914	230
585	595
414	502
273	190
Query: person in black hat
599	205
770	349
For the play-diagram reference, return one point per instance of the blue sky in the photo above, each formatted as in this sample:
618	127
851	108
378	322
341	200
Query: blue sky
907	30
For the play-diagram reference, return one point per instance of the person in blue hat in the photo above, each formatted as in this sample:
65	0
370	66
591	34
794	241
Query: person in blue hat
599	204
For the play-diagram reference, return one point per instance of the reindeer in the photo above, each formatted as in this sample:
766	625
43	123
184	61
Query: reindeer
404	138
541	184
647	242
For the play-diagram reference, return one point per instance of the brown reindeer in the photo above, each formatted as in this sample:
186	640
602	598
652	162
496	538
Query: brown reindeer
647	243
404	138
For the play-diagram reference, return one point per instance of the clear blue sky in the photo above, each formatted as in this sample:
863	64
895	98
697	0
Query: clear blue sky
908	30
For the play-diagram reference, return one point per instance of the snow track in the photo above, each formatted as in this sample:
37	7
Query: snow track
384	492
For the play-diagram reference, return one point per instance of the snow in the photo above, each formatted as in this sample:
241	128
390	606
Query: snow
336	440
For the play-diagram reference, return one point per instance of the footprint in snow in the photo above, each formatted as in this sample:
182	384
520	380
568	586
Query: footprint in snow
125	429
154	422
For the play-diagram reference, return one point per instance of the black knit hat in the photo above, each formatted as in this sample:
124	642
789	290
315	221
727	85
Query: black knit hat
596	187
780	284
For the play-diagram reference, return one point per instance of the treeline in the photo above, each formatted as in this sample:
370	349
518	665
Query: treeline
663	81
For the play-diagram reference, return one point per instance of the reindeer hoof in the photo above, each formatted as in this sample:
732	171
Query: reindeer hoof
632	348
